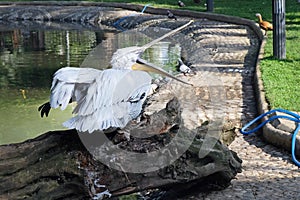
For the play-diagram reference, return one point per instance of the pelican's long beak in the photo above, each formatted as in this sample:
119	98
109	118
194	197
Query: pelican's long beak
143	65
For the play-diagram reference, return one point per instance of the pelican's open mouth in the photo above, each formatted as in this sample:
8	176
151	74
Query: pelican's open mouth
143	65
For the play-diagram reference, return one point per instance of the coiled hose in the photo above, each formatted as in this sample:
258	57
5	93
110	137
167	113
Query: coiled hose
290	116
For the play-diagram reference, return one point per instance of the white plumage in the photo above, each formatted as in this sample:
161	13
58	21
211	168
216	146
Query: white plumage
108	98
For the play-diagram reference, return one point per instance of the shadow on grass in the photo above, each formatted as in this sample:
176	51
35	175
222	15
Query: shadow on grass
272	58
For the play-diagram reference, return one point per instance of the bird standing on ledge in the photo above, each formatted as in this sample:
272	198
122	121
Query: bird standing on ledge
183	68
171	15
109	98
181	4
264	24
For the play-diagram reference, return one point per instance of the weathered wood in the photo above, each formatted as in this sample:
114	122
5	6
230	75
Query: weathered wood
43	167
57	166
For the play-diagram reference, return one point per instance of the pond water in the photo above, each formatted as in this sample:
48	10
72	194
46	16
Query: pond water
29	58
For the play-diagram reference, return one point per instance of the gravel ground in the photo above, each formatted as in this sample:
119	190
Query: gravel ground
268	173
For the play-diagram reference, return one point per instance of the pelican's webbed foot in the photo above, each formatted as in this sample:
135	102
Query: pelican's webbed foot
45	109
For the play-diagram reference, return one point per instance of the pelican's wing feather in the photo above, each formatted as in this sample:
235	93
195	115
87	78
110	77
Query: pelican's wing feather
98	94
71	82
112	100
76	75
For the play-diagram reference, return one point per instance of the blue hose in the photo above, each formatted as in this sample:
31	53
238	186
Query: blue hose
293	117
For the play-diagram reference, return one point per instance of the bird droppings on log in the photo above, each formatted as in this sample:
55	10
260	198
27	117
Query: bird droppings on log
57	164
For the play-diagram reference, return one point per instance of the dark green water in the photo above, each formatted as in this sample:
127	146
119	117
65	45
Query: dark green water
28	60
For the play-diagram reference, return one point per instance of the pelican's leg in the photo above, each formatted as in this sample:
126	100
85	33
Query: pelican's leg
45	109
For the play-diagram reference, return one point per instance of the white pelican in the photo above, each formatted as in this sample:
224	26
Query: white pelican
105	98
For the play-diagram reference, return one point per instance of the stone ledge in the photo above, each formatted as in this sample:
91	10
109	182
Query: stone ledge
284	124
279	136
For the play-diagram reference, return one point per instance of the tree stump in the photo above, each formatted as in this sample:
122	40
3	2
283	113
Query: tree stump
56	165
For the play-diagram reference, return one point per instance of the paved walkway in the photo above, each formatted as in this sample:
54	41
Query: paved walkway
228	52
268	172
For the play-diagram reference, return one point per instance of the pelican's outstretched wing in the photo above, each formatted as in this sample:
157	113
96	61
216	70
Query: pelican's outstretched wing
105	99
71	83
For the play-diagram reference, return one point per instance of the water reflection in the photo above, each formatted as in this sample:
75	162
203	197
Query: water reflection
29	57
28	60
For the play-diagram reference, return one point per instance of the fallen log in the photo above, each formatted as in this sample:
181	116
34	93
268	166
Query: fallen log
43	167
71	165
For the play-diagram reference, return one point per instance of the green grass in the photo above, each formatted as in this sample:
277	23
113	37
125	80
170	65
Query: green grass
281	78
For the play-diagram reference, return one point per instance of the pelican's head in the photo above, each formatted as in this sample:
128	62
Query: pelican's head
125	58
129	58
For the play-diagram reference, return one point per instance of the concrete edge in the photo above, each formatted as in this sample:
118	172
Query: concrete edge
275	136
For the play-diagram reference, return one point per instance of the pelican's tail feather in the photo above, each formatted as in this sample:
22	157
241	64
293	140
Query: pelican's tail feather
89	124
114	116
